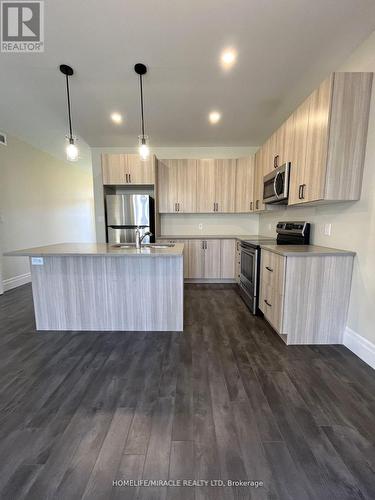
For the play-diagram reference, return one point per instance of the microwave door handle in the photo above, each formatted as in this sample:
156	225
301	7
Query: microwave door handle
274	185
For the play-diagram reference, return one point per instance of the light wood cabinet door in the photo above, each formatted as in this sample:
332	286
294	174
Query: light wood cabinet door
286	149
272	284
298	152
228	259
187	186
140	172
212	261
313	176
206	186
167	185
225	185
245	184
258	181
113	169
196	259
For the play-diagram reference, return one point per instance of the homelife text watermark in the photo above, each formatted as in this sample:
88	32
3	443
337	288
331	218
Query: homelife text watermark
22	26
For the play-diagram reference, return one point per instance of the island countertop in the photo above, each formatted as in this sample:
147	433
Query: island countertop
97	249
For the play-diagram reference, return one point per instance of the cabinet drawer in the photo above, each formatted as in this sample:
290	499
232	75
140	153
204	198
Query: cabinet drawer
272	269
272	287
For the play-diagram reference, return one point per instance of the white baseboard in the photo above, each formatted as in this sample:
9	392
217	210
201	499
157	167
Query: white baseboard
362	347
16	281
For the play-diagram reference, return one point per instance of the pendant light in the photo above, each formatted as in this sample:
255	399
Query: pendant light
144	150
71	148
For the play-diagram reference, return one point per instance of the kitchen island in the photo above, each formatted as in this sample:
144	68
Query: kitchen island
104	287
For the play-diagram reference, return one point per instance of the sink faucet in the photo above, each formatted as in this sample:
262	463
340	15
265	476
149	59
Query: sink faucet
139	238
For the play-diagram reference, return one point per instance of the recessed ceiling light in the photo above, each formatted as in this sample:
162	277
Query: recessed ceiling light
116	118
228	58
214	117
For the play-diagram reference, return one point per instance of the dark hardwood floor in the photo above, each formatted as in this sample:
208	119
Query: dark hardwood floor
224	400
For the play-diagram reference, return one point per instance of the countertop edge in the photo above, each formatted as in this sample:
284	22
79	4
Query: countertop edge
319	252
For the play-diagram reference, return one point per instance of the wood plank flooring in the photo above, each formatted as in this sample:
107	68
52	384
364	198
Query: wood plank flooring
225	400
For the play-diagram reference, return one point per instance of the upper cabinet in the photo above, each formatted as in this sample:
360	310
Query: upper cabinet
330	134
325	142
216	185
177	186
245	185
119	169
259	164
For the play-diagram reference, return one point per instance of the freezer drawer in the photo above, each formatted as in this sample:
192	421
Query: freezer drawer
126	235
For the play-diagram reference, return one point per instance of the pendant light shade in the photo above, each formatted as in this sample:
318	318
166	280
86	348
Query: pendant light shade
72	152
144	150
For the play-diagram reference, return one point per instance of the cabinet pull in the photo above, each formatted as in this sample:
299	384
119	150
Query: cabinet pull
251	206
303	191
269	269
178	207
268	304
276	161
205	245
130	178
257	204
202	245
126	178
299	192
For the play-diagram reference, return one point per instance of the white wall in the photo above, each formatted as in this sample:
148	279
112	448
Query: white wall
225	224
353	224
42	201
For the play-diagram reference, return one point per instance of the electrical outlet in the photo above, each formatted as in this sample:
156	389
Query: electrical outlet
37	261
200	227
327	229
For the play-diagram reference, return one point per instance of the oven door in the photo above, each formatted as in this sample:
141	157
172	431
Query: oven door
249	275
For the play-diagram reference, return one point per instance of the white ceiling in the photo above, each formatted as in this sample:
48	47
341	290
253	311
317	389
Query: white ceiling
285	47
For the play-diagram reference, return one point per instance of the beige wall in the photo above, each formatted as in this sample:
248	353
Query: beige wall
42	201
353	224
181	224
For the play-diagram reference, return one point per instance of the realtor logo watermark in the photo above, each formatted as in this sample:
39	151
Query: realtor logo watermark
22	26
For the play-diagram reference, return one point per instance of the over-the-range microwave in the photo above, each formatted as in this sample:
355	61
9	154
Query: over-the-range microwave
276	185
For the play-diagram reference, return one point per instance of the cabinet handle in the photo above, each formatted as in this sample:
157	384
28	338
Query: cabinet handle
202	245
178	207
126	178
257	204
303	191
251	206
205	245
130	179
268	304
269	269
276	161
299	192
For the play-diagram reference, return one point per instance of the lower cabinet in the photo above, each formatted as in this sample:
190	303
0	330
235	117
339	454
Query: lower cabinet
210	259
204	259
186	253
306	298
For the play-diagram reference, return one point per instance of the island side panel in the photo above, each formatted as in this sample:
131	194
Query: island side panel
109	293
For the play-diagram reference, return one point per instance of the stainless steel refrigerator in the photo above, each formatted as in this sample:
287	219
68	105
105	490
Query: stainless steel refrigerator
126	212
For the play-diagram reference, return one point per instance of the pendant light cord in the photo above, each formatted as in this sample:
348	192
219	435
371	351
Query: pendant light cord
69	112
142	115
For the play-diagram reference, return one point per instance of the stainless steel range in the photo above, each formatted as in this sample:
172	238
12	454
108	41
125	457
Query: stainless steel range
288	233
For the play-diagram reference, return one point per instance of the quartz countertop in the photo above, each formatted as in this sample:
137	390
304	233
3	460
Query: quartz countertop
241	237
305	250
96	249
